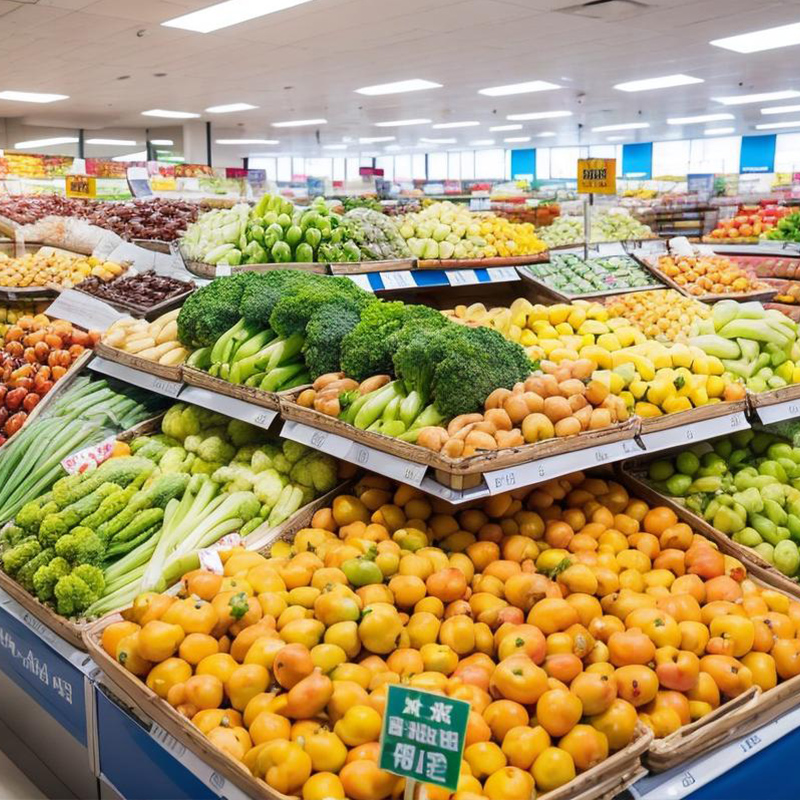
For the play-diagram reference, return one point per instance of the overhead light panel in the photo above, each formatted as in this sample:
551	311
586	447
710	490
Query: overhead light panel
375	139
717	131
771	126
546	134
246	141
780	110
391	148
299	123
161	112
515	139
700	118
762	97
229	108
664	82
46	142
444	125
31	97
232	12
539	115
399	123
756	41
506	128
398	87
162	141
424	140
482	143
519	88
623	126
112	142
334	147
140	156
617	138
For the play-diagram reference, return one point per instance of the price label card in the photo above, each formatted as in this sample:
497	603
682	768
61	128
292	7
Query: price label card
398	279
386	464
144	380
779	412
89	457
461	277
545	469
223	270
500	274
231	406
337	446
130	253
362	281
694	432
430	485
610	249
83	310
210	561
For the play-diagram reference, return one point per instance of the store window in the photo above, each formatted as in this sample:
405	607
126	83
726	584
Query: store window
787	152
298	168
602	151
454	166
403	168
284	168
339	169
418	170
352	165
386	163
319	167
564	162
437	166
715	155
467	165
671	158
490	164
543	163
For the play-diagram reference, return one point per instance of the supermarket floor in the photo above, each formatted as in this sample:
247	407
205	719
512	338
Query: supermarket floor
14	784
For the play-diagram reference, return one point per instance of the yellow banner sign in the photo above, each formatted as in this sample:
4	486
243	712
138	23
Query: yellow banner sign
81	185
597	175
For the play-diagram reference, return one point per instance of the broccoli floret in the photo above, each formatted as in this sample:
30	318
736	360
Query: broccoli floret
81	546
316	471
215	448
28	570
324	333
46	577
93	577
477	362
368	349
13	534
53	527
19	555
121	471
262	294
30	516
72	595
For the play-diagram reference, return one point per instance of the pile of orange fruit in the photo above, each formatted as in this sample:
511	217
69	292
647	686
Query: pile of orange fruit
565	614
702	275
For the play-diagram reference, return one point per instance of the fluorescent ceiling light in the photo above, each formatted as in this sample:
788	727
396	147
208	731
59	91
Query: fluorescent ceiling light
227	109
540	115
160	112
425	140
232	12
545	134
334	147
31	97
297	123
375	139
717	131
443	125
46	142
413	85
770	126
767	39
161	141
482	142
140	156
506	128
247	141
763	97
617	138
121	142
665	82
623	126
519	88
398	123
512	139
780	110
700	118
390	148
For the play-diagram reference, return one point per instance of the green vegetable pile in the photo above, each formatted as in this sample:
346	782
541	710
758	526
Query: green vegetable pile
747	486
787	229
571	275
274	232
138	522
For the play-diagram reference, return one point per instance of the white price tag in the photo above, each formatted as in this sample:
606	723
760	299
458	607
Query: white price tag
500	274
210	561
362	281
694	432
779	411
545	469
610	249
144	380
337	446
398	279
222	271
461	277
129	253
386	464
83	310
230	406
430	485
89	456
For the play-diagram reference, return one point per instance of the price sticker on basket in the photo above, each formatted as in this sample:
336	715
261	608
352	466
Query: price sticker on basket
461	277
423	735
398	279
386	464
144	380
694	432
501	274
779	412
337	446
230	406
89	457
84	310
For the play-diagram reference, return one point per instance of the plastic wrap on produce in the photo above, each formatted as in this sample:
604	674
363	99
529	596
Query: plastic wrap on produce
70	233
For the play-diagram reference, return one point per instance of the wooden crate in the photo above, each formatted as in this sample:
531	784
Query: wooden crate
249	394
699	414
772	397
482	263
361	267
170	373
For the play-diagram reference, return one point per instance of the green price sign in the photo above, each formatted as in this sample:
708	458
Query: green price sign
423	735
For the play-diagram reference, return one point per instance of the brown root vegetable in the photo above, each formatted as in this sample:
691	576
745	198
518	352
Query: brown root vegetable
324	380
453	448
568	426
512	438
601	418
432	437
499	418
536	427
572	386
557	408
306	398
373	383
480	440
457	423
497	398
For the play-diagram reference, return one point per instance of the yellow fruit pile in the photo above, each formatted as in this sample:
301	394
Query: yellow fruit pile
659	314
506	238
564	614
49	266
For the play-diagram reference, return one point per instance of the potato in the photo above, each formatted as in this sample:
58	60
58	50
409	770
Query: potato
516	408
596	392
556	408
499	418
480	440
568	426
536	427
572	386
457	423
497	398
601	418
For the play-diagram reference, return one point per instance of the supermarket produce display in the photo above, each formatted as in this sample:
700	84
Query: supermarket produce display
140	293
51	267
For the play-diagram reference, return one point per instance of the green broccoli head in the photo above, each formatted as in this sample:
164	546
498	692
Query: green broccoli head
81	546
93	577
317	471
263	293
28	570
17	556
324	334
418	354
13	534
73	595
51	529
46	577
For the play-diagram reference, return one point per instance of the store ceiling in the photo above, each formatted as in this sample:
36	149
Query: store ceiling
306	61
